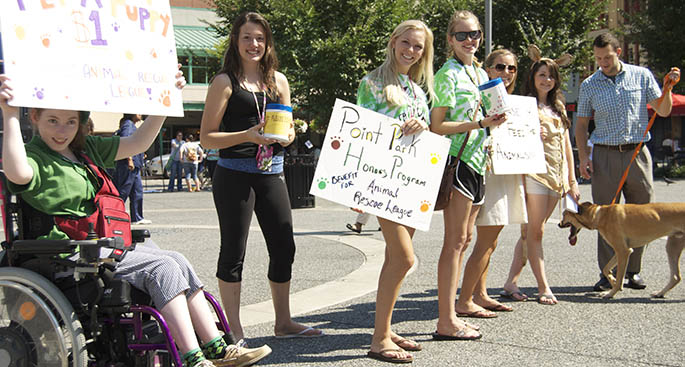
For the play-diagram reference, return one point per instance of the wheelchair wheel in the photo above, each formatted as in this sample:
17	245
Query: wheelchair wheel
38	326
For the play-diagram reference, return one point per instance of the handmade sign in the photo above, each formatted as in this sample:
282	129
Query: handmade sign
94	55
366	163
516	144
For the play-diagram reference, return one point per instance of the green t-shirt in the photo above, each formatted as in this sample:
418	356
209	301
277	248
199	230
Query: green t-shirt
370	95
456	87
60	186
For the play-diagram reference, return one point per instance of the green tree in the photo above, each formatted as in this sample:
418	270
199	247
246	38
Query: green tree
325	47
555	26
659	28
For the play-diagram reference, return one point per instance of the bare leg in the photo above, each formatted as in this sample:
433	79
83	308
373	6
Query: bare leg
487	235
517	263
178	319
540	207
459	216
230	298
202	317
284	325
399	258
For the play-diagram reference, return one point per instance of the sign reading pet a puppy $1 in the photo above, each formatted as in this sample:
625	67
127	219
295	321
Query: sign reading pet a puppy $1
93	55
368	164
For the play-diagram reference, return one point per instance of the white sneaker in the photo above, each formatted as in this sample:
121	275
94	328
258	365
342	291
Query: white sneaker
142	221
238	356
205	363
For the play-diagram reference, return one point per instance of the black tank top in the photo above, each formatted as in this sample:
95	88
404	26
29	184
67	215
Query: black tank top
240	115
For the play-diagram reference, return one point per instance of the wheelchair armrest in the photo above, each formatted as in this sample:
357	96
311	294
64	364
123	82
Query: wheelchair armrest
139	235
43	247
57	247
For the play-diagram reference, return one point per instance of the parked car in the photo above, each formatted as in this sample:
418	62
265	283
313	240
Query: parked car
154	168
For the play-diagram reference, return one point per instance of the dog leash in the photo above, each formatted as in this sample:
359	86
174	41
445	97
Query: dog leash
668	85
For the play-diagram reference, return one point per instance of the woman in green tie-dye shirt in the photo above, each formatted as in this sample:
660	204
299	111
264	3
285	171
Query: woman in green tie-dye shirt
394	89
455	112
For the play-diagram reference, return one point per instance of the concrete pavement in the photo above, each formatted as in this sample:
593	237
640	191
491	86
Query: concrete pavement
336	273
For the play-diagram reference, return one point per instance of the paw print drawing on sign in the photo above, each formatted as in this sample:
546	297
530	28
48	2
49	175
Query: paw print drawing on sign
45	40
165	98
39	93
435	158
336	142
20	32
322	183
425	205
115	26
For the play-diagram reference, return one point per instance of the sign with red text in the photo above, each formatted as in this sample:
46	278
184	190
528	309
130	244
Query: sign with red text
93	55
368	164
516	144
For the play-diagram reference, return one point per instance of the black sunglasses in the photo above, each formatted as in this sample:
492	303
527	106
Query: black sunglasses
501	67
461	36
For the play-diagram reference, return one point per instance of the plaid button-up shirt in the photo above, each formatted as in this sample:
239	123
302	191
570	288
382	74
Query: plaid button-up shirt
620	107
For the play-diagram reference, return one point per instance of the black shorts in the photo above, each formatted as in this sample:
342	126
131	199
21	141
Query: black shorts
469	183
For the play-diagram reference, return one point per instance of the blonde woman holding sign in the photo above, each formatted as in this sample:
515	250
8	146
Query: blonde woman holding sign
394	89
457	114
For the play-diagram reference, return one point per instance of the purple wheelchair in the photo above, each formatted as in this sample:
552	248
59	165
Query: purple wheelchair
60	312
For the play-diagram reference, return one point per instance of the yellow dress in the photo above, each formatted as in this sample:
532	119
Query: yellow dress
555	152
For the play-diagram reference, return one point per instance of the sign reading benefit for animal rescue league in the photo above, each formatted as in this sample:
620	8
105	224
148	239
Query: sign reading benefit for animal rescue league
94	55
368	164
516	144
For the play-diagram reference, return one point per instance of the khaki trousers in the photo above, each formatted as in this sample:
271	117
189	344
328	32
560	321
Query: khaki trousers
608	167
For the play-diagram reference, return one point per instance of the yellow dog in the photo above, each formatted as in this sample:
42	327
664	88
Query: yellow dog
628	226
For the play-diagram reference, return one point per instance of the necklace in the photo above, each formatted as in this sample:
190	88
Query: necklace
260	114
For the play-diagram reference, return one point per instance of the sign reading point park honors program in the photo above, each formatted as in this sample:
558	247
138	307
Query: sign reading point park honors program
93	55
366	163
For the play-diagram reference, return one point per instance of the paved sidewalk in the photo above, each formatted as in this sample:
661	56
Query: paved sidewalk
336	272
335	277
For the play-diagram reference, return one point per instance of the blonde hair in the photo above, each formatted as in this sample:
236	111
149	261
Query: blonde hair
456	18
421	72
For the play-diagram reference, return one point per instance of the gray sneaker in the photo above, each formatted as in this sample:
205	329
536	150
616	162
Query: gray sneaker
238	356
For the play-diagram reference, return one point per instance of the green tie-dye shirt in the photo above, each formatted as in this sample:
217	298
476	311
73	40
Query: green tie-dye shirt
370	95
456	88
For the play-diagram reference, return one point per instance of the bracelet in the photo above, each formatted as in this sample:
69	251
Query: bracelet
480	123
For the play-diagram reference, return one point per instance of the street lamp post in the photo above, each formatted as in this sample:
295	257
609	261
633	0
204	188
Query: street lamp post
488	27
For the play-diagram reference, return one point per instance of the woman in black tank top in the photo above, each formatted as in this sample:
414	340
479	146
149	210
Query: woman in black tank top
241	115
232	122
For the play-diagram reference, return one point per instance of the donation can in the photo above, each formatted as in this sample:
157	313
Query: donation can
278	120
494	96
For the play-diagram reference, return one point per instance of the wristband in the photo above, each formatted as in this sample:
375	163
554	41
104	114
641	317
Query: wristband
480	123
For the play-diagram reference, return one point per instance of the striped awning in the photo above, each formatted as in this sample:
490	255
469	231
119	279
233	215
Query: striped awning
196	40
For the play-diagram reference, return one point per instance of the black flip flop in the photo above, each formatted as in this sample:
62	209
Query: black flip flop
512	296
353	228
461	335
384	358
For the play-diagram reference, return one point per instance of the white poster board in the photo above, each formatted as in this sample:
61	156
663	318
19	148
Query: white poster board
366	163
516	144
93	55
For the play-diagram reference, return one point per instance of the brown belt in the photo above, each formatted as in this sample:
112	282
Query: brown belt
620	148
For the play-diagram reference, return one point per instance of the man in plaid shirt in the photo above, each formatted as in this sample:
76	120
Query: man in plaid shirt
616	96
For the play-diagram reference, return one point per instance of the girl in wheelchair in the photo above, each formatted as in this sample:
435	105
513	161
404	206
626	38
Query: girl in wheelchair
50	174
